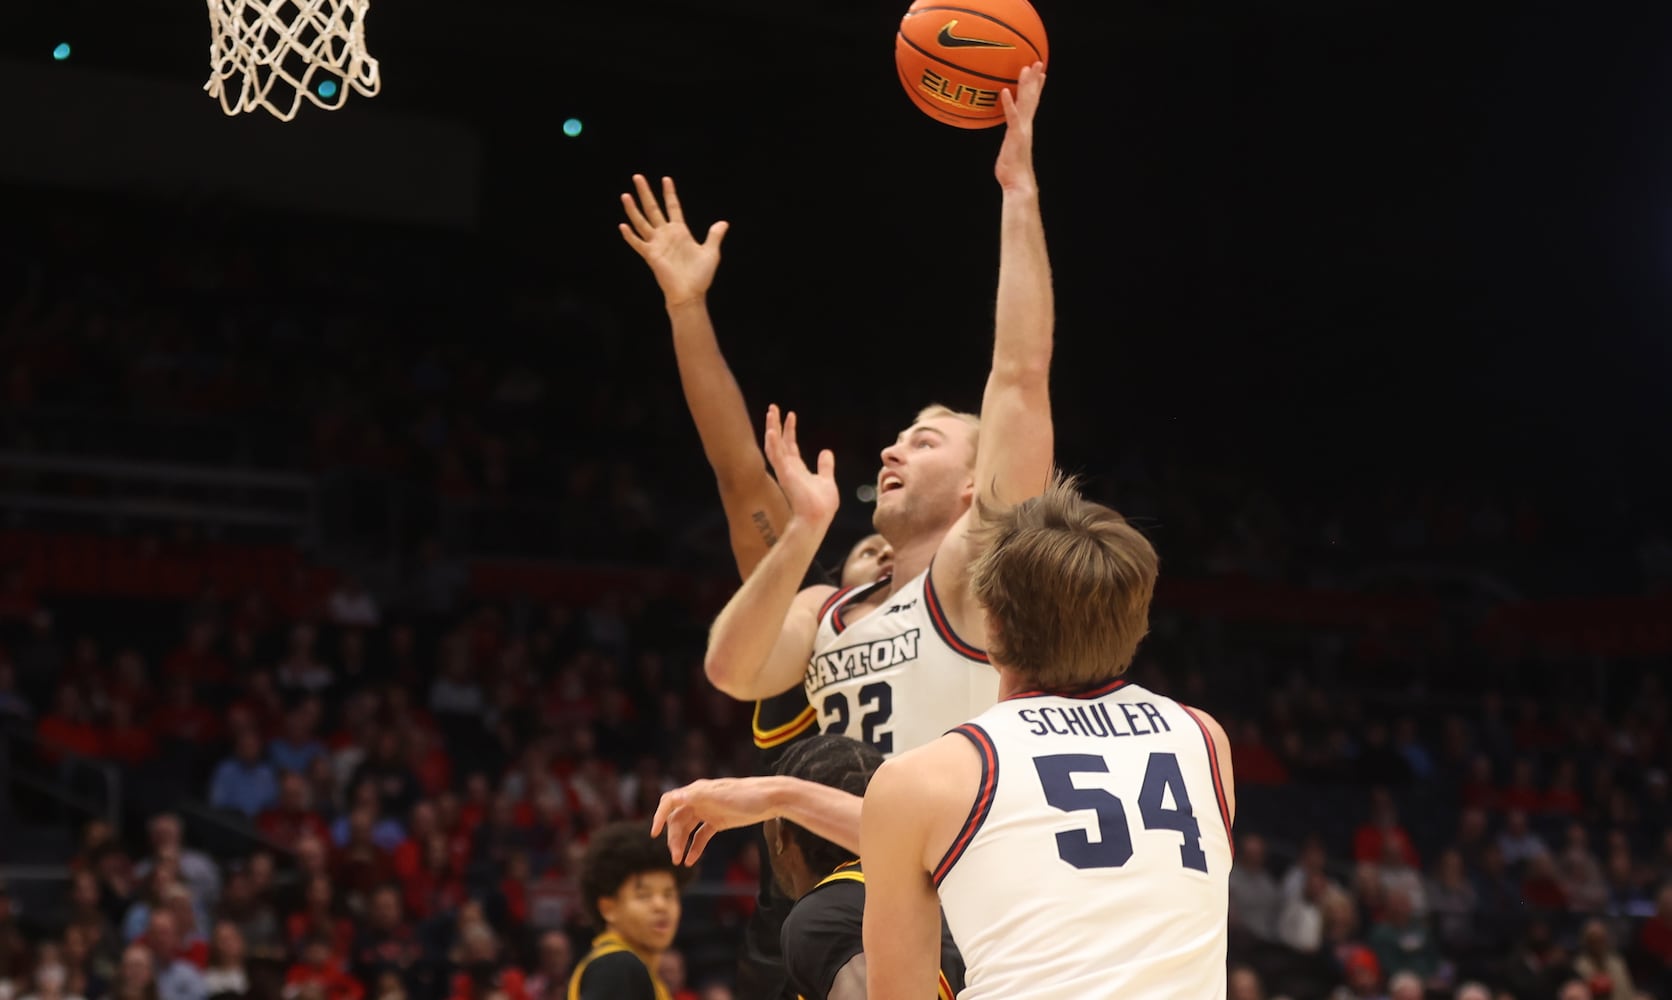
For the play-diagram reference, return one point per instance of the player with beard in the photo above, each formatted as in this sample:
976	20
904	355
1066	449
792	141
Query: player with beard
897	663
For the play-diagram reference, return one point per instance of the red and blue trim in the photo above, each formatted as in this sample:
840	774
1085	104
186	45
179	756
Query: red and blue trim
865	591
983	798
943	626
830	602
1213	765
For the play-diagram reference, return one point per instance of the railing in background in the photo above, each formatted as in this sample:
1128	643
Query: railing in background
88	787
113	492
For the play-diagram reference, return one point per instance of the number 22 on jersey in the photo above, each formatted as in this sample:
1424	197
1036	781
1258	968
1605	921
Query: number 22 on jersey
875	708
1113	847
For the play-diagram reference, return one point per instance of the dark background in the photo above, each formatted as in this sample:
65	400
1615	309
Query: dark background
1341	237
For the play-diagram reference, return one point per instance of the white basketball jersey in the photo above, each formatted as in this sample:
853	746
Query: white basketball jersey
1095	862
898	677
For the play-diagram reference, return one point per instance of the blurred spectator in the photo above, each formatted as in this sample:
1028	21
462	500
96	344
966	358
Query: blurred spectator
245	782
227	975
1402	941
554	962
1255	897
1518	843
1404	986
1244	984
320	975
1602	968
292	817
295	749
1371	841
136	979
387	943
196	868
175	977
671	968
1453	901
351	604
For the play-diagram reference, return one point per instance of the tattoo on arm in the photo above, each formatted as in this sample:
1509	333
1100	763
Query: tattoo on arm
764	526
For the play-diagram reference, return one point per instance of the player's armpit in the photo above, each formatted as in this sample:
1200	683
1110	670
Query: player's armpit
850	982
902	912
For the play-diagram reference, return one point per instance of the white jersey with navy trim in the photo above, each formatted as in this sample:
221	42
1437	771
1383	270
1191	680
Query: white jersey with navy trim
1095	861
899	677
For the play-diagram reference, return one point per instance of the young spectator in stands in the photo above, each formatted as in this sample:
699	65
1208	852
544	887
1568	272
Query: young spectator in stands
631	889
554	962
227	974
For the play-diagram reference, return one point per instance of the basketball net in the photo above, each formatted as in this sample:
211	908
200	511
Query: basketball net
272	53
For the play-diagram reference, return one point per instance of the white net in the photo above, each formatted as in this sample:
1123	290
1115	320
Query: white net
272	53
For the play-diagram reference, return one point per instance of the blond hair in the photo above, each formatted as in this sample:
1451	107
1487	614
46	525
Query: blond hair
1066	585
935	410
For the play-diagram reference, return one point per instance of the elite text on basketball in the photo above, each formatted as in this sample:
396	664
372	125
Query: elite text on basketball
961	94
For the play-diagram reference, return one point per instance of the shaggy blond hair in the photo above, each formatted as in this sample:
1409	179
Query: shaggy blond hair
935	410
1066	585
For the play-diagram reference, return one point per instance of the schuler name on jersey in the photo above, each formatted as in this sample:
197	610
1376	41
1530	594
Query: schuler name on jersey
1096	859
897	677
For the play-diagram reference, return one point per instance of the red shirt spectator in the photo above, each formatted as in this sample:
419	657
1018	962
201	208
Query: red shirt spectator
68	728
292	818
196	660
434	888
183	719
1656	936
1371	841
125	741
1478	790
320	968
317	922
1523	791
1257	764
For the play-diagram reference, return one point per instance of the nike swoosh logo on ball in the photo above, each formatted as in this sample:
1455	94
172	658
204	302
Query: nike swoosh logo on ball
951	41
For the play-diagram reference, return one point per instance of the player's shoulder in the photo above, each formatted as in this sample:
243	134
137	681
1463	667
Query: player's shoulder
815	597
832	904
614	974
933	770
1209	724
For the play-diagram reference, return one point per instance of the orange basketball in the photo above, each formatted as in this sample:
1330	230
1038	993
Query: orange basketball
954	56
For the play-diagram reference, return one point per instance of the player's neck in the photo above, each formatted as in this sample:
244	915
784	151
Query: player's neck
1010	683
912	558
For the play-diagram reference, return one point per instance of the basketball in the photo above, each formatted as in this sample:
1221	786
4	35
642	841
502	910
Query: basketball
955	57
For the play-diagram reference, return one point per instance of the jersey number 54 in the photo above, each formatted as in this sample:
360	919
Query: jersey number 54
1113	847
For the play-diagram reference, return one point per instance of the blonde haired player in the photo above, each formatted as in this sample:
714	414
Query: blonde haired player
894	664
1077	835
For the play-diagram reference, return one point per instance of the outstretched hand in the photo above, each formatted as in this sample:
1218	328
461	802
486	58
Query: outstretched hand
1014	169
812	495
683	267
695	813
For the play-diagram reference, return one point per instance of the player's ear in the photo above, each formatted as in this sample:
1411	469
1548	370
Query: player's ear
606	908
